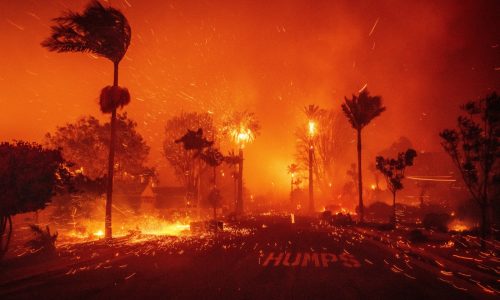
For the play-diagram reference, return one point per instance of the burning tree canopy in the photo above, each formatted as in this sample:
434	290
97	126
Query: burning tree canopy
330	146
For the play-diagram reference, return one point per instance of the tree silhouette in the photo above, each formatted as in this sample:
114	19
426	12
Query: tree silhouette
394	173
233	160
475	148
195	141
360	111
29	176
214	158
106	32
184	162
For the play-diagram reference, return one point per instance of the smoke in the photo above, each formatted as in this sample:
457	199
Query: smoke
424	58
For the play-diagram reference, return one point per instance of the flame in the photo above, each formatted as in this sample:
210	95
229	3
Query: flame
458	226
312	128
242	136
144	225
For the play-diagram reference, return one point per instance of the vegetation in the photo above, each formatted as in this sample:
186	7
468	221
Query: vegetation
329	146
360	111
393	170
85	143
242	128
43	240
103	31
474	148
29	176
184	163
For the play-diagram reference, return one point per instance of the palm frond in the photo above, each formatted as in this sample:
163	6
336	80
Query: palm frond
101	30
362	109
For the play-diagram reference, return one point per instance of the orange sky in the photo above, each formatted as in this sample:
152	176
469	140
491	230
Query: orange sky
271	57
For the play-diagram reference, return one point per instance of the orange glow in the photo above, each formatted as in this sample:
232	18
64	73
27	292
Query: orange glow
312	128
270	58
145	225
458	226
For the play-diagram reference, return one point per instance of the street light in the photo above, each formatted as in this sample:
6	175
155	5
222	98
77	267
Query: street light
312	132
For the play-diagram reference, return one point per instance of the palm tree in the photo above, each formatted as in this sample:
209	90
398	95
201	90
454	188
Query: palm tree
242	127
360	111
105	32
312	112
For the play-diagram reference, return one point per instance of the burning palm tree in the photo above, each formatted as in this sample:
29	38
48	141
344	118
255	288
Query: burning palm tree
105	32
312	112
242	127
360	111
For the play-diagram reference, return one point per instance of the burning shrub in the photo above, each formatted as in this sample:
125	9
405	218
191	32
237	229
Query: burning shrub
43	240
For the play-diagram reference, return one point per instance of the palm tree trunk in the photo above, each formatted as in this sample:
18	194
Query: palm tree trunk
311	183
239	203
111	162
360	181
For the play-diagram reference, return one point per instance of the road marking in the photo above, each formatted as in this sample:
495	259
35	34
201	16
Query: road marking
306	259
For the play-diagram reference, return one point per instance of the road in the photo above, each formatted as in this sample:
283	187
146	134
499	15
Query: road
262	258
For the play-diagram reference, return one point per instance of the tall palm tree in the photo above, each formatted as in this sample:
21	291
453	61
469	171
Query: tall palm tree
242	127
105	32
312	112
360	111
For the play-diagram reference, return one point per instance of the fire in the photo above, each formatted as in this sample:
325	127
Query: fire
144	225
242	136
312	128
458	226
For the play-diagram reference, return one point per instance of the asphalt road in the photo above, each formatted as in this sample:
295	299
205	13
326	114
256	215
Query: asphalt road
322	263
